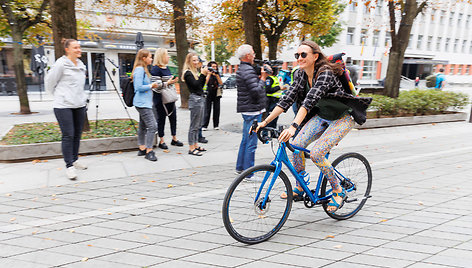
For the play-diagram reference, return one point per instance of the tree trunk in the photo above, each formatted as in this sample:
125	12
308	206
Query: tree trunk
182	46
64	24
20	70
400	41
273	44
252	32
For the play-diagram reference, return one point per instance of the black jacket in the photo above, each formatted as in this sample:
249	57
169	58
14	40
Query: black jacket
251	90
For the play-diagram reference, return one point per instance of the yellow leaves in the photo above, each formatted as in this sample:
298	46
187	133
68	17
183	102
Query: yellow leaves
420	203
191	183
383	220
72	231
13	219
151	181
338	246
143	198
166	151
329	236
170	186
84	259
262	216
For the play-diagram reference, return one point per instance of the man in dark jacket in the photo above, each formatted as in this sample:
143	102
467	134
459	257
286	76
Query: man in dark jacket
251	104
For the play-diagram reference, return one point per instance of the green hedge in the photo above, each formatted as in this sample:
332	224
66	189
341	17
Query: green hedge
418	102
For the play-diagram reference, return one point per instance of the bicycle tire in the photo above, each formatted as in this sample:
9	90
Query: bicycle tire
360	176
243	218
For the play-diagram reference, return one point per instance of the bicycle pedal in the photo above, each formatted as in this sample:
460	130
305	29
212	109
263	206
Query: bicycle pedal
298	198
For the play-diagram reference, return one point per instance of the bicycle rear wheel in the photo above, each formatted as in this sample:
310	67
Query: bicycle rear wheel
356	179
244	217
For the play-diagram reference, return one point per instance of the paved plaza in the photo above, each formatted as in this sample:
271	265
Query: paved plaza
125	211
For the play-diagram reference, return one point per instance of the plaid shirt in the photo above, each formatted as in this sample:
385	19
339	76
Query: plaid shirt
327	85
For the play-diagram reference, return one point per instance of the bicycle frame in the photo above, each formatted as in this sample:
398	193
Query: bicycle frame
282	158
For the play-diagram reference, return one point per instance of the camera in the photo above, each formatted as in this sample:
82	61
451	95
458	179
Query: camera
212	70
264	63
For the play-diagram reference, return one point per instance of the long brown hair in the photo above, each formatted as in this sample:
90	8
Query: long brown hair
188	65
322	63
138	61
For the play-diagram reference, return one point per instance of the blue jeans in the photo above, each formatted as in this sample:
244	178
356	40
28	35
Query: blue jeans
248	146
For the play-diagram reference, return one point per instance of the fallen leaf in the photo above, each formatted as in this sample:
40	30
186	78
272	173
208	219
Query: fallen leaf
143	198
262	216
166	151
53	195
13	219
89	245
329	236
58	185
146	237
459	166
383	220
194	172
377	213
59	168
109	213
54	199
170	186
151	181
84	259
338	246
35	199
105	154
134	180
120	152
114	201
424	137
420	203
8	194
72	231
149	225
433	124
47	238
36	161
190	183
34	232
45	161
125	198
179	153
231	220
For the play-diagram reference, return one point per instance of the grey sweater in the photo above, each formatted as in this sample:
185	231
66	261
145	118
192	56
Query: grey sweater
65	81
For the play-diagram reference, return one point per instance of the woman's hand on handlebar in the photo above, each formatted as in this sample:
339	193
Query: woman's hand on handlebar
261	124
287	134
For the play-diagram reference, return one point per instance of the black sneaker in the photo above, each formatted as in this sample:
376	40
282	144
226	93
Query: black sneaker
176	143
163	146
151	156
202	140
141	152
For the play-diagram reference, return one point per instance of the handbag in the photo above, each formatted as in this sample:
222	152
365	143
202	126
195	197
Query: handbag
219	91
168	92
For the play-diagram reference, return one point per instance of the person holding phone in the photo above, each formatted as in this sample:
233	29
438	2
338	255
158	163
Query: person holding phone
160	71
195	82
143	102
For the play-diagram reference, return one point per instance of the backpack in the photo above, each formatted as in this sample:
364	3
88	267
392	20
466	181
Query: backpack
431	80
345	78
127	91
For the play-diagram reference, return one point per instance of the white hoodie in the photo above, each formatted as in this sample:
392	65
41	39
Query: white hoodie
66	81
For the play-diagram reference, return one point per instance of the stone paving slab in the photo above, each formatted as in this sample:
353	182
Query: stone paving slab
138	220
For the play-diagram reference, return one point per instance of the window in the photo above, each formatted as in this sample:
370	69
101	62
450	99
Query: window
363	39
446	44
409	41
350	35
468	21
464	42
352	6
376	38
451	19
378	8
459	69
430	43
419	42
442	17
456	45
388	37
368	71
459	20
467	69
438	43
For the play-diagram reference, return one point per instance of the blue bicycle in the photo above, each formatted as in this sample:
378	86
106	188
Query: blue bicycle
253	210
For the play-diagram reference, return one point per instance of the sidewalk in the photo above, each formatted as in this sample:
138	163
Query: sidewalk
125	211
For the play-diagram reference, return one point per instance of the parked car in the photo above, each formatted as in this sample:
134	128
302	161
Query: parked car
229	82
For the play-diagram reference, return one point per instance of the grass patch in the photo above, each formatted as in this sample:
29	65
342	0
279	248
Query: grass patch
50	131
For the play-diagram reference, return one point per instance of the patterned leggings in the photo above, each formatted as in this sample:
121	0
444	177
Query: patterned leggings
327	134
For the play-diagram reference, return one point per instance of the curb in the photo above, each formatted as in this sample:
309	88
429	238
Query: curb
24	152
412	120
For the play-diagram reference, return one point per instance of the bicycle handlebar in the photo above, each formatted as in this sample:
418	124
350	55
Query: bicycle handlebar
274	133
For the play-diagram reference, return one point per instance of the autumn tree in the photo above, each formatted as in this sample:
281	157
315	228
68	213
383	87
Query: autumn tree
405	12
222	54
22	19
280	20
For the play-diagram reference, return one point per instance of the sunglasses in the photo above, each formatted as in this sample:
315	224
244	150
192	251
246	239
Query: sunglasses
303	54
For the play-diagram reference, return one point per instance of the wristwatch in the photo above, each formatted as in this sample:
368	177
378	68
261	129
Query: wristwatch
295	125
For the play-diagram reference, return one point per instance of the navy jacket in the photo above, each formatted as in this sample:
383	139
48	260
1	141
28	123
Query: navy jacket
251	90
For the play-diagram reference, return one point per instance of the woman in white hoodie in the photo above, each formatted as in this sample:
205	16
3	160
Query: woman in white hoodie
65	81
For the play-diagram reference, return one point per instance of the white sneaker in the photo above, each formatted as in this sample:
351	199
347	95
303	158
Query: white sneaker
204	129
217	128
70	172
80	165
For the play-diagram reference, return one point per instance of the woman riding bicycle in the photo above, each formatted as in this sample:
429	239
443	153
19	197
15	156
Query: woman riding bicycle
326	114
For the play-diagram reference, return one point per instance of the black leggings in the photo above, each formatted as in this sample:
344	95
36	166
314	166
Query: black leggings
161	115
71	122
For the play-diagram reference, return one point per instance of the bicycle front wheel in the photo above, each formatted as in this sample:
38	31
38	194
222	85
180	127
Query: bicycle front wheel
246	216
355	176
